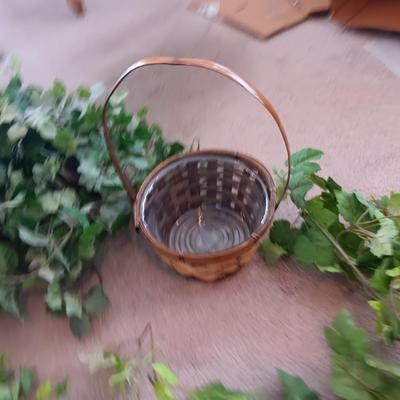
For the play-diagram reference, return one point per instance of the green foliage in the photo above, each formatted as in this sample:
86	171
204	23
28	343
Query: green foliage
96	301
271	252
303	168
129	374
217	391
21	386
343	232
295	388
356	373
80	326
123	373
59	193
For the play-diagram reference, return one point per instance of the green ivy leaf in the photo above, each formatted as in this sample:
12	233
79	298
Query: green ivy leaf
73	306
58	90
354	380
295	388
283	234
16	132
382	242
271	252
50	201
87	241
217	391
80	327
162	391
303	168
5	374
317	210
387	367
350	207
75	214
26	377
96	301
32	238
344	337
8	112
53	297
9	299
61	388
313	248
65	142
165	374
5	392
8	259
393	204
122	374
44	391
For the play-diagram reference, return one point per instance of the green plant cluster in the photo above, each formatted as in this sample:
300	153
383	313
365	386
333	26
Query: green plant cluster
343	232
21	386
59	193
356	374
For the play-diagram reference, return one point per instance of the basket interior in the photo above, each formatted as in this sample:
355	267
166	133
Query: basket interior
205	203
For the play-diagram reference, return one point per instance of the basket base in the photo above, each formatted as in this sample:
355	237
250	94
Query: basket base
207	230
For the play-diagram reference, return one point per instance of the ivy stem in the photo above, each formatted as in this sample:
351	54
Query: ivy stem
347	259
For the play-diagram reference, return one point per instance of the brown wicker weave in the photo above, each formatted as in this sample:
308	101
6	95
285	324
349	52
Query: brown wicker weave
203	212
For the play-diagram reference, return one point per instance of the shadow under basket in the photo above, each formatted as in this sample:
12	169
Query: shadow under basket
203	212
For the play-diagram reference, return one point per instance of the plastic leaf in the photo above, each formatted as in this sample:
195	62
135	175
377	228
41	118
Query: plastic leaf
8	259
61	388
65	142
165	373
390	367
382	242
73	306
26	377
393	205
32	238
217	391
44	391
283	234
80	327
50	201
16	132
313	248
344	337
53	297
295	388
8	112
9	299
271	252
96	301
349	206
303	168
87	241
163	392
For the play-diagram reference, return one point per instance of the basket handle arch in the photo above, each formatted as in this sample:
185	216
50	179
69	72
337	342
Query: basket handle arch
199	63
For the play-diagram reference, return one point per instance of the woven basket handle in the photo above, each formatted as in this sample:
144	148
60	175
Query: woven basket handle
192	62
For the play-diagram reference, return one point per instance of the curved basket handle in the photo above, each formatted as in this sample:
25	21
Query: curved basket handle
192	62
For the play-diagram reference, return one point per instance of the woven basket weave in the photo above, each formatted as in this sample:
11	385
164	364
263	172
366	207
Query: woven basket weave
203	212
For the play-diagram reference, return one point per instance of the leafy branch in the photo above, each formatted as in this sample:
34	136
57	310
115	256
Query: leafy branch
21	386
59	194
343	232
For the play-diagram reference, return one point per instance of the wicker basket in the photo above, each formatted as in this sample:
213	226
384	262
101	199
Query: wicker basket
203	212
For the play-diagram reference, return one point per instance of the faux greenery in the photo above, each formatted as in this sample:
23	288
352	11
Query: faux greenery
343	232
22	386
356	374
60	195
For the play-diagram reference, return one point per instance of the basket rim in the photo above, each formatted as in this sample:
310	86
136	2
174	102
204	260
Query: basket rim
255	236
